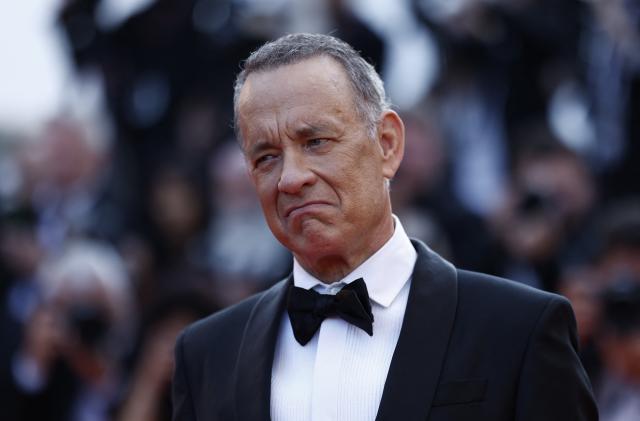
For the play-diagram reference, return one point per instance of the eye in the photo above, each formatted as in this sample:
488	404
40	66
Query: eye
264	159
315	143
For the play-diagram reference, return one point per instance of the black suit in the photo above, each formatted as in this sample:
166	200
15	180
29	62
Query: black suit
472	347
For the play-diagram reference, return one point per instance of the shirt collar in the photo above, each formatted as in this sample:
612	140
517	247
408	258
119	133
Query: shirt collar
385	272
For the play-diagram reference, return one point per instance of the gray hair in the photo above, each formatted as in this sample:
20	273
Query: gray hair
370	97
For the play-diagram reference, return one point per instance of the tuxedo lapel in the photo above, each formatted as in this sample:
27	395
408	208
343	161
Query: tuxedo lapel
255	356
417	361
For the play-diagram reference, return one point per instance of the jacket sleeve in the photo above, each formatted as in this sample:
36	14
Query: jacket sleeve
553	385
182	400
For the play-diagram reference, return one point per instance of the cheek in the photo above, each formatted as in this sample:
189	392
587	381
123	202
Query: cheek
266	189
362	175
352	163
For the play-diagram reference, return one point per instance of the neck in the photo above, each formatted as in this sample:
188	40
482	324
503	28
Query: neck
332	268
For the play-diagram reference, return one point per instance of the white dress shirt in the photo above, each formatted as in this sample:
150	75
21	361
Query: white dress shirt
340	373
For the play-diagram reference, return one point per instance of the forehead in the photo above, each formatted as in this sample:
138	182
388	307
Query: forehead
314	90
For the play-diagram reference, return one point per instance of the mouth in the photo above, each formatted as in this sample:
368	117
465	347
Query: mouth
302	207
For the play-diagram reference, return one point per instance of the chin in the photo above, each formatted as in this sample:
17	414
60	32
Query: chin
314	243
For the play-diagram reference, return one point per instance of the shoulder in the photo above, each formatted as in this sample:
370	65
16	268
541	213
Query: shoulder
233	316
225	327
496	288
479	293
502	302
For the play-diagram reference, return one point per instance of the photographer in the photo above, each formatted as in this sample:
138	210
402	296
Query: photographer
619	344
66	366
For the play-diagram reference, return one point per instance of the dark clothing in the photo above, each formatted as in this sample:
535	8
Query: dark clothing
472	347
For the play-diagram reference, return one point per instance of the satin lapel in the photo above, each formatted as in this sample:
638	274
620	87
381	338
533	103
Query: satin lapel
424	337
255	357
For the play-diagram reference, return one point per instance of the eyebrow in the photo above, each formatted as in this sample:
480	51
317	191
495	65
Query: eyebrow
259	147
309	130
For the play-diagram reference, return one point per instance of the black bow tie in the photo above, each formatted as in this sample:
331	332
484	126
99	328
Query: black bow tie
307	309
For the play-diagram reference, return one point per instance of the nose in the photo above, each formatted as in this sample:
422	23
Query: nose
295	174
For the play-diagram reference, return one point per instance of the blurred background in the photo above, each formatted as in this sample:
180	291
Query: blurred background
126	212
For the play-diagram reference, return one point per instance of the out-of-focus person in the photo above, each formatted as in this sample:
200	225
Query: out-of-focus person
604	294
541	225
67	365
147	397
618	388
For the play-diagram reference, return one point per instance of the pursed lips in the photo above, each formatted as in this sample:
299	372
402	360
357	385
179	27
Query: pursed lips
293	208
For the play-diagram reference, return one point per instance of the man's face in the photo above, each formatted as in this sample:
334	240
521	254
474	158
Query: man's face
318	173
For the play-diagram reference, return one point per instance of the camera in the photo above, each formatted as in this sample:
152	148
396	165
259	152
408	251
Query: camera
89	323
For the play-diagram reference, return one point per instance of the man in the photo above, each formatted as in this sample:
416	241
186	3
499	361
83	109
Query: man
428	342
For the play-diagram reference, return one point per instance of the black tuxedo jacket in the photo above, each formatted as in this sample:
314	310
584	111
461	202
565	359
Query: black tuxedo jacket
472	347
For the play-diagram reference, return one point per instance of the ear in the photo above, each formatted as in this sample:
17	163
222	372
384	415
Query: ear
391	140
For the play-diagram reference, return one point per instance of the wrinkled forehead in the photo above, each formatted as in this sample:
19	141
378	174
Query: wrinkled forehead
308	75
317	86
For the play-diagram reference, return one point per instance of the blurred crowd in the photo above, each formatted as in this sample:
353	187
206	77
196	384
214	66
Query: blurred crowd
119	228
